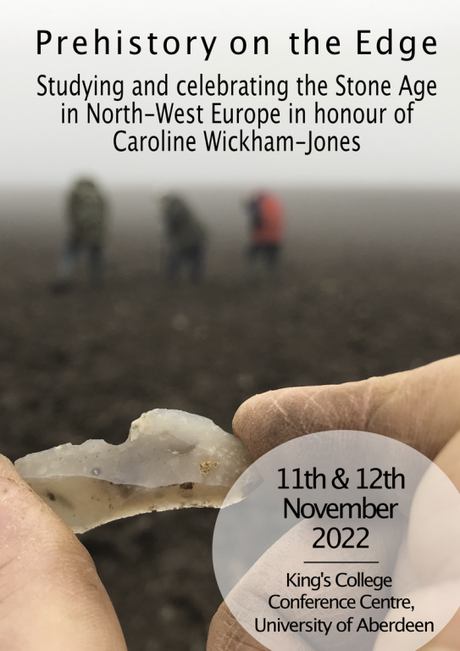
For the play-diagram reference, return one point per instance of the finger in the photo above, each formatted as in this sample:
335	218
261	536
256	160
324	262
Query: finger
449	638
448	461
267	420
50	595
226	634
419	407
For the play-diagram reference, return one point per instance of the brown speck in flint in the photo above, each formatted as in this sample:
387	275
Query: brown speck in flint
187	485
205	466
51	496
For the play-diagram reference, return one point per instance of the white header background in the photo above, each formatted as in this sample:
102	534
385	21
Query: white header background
38	149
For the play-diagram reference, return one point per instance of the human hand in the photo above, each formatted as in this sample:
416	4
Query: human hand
51	598
50	595
420	408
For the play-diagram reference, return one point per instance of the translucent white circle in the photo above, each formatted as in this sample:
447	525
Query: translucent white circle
345	540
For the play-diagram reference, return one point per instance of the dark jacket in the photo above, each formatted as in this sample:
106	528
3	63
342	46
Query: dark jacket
87	214
183	230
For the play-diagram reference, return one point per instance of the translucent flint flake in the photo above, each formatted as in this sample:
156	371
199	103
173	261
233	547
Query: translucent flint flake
171	460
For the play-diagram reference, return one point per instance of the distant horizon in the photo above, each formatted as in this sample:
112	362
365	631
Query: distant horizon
339	219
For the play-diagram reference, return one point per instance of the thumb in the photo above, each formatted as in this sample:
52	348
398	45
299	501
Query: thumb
418	407
449	638
50	595
227	634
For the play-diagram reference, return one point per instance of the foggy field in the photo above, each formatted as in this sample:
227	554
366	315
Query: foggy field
370	284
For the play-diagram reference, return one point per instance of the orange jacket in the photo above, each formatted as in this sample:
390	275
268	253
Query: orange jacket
269	224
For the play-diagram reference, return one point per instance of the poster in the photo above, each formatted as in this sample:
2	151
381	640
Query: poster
345	112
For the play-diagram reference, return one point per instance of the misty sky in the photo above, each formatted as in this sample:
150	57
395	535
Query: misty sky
38	149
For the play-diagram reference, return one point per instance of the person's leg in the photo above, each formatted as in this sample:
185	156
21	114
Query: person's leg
95	262
252	253
196	258
69	260
272	259
173	265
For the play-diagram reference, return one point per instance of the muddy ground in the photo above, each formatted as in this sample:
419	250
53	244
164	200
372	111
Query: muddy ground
370	284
